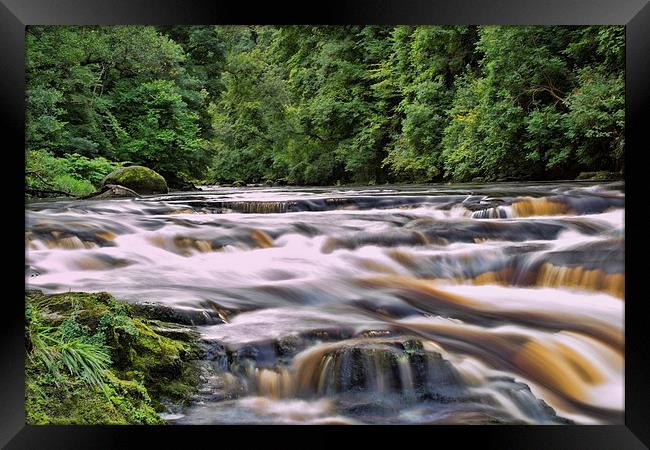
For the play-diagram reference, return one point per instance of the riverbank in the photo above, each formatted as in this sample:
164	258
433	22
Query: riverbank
94	360
603	176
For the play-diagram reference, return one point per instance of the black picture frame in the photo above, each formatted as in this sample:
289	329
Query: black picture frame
634	14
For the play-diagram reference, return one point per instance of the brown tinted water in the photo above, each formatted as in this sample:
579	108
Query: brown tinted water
495	303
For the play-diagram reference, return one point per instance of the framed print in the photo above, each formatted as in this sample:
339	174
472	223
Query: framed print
409	217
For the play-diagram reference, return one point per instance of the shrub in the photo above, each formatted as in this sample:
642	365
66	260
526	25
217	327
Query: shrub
75	174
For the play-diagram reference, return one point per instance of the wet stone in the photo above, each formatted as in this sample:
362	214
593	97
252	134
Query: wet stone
326	335
185	316
288	346
215	352
260	354
523	397
216	384
607	255
174	331
393	309
362	407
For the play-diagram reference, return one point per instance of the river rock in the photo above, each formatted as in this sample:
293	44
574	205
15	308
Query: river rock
138	178
111	191
177	315
377	365
599	176
174	331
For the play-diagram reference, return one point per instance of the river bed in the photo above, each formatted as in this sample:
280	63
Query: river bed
436	304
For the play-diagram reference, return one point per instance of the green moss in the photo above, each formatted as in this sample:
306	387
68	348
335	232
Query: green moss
412	346
140	179
599	176
146	368
73	402
166	364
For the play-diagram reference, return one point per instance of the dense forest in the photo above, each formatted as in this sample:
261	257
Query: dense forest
322	105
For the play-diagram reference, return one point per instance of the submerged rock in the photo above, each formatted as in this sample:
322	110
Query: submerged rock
138	178
524	399
385	379
399	365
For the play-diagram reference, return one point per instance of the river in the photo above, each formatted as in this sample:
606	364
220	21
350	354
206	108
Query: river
436	304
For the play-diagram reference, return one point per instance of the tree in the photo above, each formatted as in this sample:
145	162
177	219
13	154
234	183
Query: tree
122	93
324	104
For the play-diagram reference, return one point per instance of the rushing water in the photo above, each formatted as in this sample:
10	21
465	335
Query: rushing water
498	303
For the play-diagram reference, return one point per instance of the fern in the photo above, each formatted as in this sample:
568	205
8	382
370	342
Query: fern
86	361
54	349
44	349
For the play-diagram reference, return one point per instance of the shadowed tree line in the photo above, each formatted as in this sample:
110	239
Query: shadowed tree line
322	105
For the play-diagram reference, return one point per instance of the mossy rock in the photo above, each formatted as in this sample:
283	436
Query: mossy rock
72	402
599	176
151	361
140	179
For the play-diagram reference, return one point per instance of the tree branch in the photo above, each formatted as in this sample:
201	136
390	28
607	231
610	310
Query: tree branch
38	175
546	89
40	192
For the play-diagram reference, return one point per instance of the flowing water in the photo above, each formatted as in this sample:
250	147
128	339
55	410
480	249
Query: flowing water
494	303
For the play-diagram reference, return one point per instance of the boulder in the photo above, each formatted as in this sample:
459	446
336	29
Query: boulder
140	179
602	175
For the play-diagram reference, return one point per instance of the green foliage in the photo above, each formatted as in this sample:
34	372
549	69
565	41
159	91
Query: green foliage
91	169
596	119
531	113
74	186
124	93
248	121
322	104
84	360
64	348
89	360
75	174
